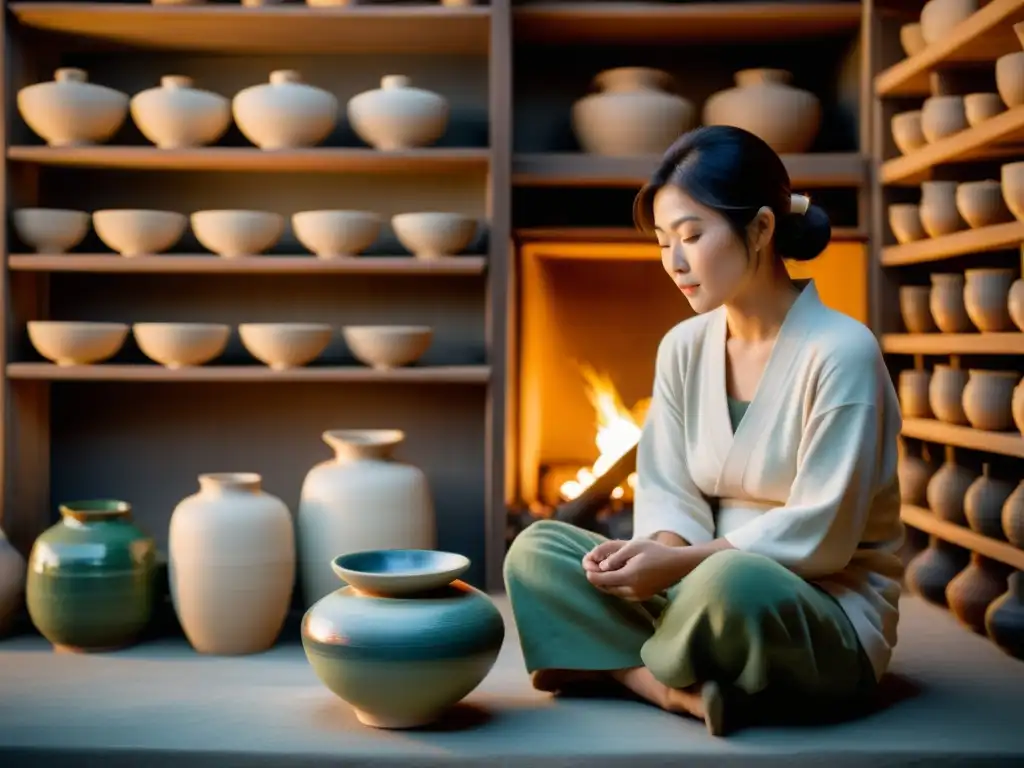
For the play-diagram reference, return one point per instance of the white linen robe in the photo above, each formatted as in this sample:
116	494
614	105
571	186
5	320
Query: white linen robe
809	477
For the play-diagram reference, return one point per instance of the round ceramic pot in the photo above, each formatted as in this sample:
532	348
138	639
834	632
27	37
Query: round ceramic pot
972	591
1012	517
1015	304
360	499
633	113
915	309
1004	618
912	386
406	640
12	582
939	214
285	113
988	399
231	564
176	115
983	504
947	303
981	203
946	393
986	298
914	473
397	115
70	111
946	490
764	103
90	583
932	569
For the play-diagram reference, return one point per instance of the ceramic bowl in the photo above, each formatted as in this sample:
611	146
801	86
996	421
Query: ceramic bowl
981	204
979	107
912	39
234	234
1012	182
1010	78
399	571
179	345
906	131
905	222
50	230
69	343
432	235
134	232
387	346
333	234
285	345
942	116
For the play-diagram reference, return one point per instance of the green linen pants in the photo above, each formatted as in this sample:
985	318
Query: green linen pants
739	619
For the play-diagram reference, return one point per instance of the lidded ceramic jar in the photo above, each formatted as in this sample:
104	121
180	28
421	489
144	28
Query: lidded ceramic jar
986	295
12	582
398	115
70	111
285	113
360	499
90	583
406	640
988	398
231	564
633	113
177	115
764	103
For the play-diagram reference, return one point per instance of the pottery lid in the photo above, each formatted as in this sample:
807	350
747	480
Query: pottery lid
391	82
71	75
176	81
282	76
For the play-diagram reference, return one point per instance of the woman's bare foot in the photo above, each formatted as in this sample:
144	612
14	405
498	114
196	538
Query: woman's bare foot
642	682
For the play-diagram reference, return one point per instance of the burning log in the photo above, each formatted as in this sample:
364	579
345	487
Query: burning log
583	509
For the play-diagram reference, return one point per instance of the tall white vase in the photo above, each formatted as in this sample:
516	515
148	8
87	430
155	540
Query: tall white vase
12	582
360	499
231	564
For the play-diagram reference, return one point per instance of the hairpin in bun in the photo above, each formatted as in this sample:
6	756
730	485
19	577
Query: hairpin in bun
799	204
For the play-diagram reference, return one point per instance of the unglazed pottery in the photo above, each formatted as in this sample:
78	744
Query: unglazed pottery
905	222
942	116
988	398
90	583
233	234
1015	303
178	115
1004	619
983	504
947	303
180	345
133	232
285	345
407	640
940	17
915	309
336	234
68	343
12	582
939	214
231	564
1017	406
1012	181
914	471
362	498
973	590
906	131
945	393
398	115
634	112
1010	78
946	490
1012	516
50	230
434	234
931	570
71	111
285	112
387	346
986	293
979	107
981	204
912	387
912	39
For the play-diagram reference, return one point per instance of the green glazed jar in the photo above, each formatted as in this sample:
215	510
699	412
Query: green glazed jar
91	578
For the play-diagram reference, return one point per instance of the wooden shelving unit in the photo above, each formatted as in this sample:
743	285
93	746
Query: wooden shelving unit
999	237
923	520
953	343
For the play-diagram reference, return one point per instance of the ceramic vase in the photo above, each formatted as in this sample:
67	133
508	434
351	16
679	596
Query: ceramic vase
360	499
90	584
947	488
397	115
633	113
988	398
1012	516
177	115
939	213
983	504
913	386
764	103
1017	406
914	472
285	113
971	592
70	111
946	392
406	640
231	564
1004	619
986	294
932	569
12	582
947	303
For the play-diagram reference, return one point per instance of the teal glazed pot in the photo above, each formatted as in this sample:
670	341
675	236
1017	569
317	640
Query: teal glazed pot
406	639
91	578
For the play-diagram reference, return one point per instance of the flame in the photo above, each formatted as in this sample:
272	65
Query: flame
618	429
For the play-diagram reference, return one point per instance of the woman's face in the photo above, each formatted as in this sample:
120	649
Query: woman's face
699	250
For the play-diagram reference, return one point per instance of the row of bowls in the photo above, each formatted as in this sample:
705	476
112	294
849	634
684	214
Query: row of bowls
237	233
179	345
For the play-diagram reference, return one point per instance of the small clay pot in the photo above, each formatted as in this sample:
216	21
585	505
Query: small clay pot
1004	619
913	393
1011	517
932	569
986	294
914	309
980	107
1017	407
1010	78
972	591
983	504
947	303
940	17
945	394
1012	181
1015	303
939	214
906	131
942	116
988	399
980	203
946	490
912	39
914	472
905	223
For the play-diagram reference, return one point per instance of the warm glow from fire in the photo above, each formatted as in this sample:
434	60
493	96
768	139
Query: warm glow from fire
618	429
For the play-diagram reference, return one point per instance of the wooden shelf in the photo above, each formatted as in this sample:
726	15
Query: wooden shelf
997	137
599	23
924	520
934	431
451	374
984	37
250	265
953	343
427	28
630	235
995	238
312	160
578	169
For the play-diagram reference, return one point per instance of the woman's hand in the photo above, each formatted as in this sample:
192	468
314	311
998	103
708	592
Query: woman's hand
635	570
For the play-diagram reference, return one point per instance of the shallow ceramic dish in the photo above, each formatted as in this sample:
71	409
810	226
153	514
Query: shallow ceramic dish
399	571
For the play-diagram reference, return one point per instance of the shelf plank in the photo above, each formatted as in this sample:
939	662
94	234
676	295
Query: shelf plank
579	169
983	37
997	137
618	23
953	343
249	265
924	520
995	238
311	160
630	235
934	431
427	28
450	374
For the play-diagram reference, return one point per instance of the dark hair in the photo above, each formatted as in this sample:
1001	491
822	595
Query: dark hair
735	173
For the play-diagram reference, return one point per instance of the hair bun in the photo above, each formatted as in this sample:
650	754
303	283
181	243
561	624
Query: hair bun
802	236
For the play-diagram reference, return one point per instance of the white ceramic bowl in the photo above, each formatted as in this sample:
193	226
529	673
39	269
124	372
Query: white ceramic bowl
134	232
50	230
233	234
387	346
333	234
285	345
434	234
179	345
68	343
